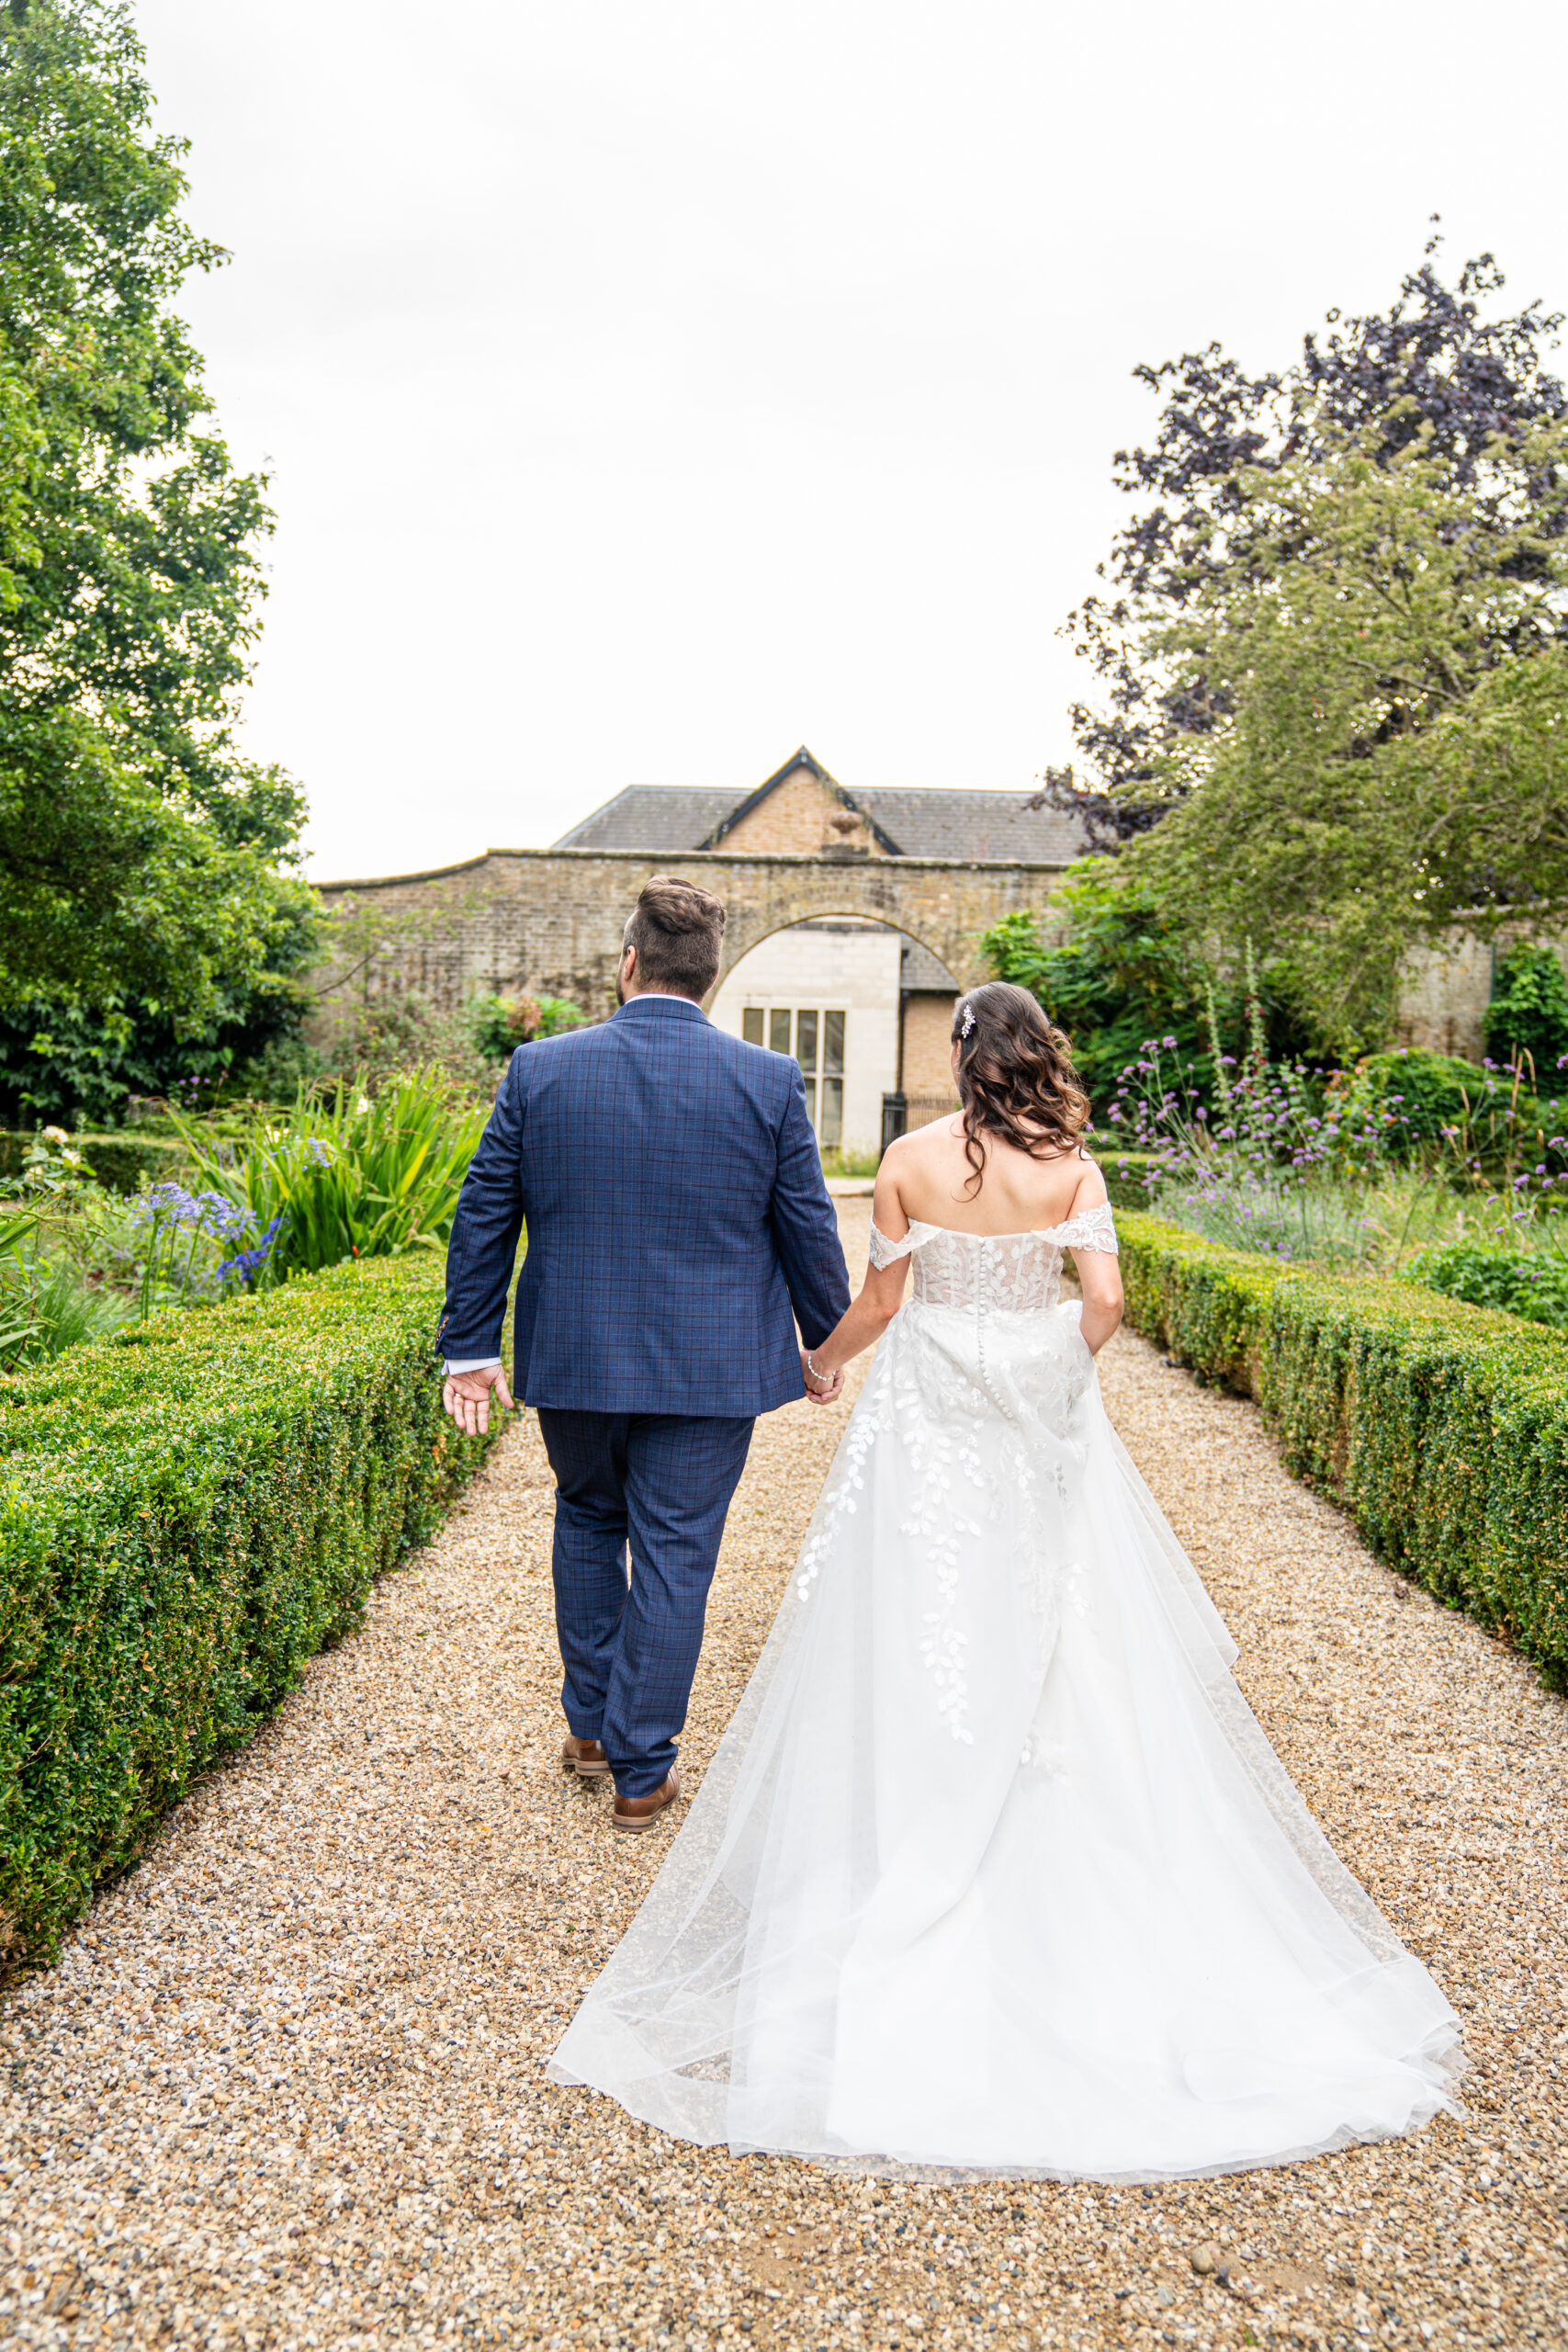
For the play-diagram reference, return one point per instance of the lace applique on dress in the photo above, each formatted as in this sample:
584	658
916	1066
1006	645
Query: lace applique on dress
885	1253
1091	1229
959	1263
982	1396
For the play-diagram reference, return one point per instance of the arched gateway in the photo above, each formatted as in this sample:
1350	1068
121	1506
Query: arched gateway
941	867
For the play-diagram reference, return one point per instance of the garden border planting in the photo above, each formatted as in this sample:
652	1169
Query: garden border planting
1442	1427
187	1516
118	1162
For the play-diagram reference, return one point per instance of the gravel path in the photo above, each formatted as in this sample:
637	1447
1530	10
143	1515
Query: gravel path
284	2087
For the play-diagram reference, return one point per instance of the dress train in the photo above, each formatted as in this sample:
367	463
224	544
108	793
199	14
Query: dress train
995	1870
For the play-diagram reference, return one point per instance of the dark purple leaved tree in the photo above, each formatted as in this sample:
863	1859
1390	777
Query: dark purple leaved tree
1433	357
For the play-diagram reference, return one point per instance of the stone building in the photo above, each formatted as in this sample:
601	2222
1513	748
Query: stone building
854	920
866	1008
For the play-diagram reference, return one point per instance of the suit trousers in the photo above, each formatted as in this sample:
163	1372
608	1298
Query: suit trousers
660	1483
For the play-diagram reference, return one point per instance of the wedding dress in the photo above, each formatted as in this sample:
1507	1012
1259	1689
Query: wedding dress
994	1869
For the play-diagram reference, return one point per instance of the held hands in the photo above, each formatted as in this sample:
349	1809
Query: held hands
820	1391
467	1395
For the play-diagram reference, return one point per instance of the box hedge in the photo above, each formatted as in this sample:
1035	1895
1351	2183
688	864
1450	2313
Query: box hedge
187	1516
1443	1427
119	1162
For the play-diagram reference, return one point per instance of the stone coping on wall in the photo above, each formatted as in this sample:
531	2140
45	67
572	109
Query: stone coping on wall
717	857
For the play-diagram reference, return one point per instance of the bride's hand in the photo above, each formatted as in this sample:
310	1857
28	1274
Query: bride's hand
819	1391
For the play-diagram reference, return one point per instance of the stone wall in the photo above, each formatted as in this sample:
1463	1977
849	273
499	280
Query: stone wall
550	920
1443	1001
536	921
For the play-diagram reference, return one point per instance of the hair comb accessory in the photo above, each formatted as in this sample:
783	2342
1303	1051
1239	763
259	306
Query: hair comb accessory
967	1023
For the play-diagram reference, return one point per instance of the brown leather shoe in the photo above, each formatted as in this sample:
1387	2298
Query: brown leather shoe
584	1756
641	1813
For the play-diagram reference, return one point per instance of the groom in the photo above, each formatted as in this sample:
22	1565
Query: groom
672	1195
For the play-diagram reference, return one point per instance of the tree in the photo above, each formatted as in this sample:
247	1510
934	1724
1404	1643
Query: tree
1529	1012
140	854
1125	973
1122	975
1386	755
1431	368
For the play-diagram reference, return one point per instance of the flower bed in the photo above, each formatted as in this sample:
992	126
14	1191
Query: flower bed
186	1515
1443	1428
119	1162
1530	1283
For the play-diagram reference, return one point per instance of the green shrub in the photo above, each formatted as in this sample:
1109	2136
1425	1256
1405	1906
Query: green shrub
1529	1012
501	1024
1436	1103
119	1162
1442	1427
1518	1281
186	1515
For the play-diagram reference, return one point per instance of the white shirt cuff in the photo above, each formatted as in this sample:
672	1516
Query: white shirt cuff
471	1363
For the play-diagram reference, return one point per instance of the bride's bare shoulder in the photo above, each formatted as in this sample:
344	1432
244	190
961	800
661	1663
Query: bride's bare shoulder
920	1146
908	1170
1091	1193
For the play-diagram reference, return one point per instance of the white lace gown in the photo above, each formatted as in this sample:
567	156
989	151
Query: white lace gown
994	1869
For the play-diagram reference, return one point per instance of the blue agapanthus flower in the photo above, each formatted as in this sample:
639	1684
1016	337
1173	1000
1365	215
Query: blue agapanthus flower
246	1263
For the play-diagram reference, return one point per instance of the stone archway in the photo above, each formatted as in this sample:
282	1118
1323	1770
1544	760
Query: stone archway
552	920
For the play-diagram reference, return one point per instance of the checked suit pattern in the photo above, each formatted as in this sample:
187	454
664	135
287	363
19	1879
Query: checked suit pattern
678	1229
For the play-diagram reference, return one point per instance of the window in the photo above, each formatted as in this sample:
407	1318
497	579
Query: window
830	1127
817	1036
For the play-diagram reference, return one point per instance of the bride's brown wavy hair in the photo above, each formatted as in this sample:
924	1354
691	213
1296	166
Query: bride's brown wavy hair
1016	1078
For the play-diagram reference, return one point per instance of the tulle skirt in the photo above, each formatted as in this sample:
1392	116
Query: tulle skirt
994	1869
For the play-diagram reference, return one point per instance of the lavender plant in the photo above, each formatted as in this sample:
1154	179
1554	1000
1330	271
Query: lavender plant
1344	1166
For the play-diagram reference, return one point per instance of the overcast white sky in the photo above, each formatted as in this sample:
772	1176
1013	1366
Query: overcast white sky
652	387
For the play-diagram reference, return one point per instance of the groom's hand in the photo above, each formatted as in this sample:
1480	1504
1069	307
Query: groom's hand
467	1396
820	1391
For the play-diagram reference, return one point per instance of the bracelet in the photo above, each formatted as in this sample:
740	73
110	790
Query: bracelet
827	1379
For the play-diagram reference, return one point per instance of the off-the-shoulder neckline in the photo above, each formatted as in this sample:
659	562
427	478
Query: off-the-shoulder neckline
1029	1233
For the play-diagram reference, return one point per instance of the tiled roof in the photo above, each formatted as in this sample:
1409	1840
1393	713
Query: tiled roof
918	968
961	824
653	817
917	823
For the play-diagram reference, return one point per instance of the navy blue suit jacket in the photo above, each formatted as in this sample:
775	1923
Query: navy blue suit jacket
676	1213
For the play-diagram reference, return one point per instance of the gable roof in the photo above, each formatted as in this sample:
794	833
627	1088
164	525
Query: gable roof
652	816
906	821
929	821
799	758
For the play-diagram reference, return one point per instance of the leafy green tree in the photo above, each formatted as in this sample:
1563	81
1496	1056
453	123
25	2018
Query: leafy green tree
1125	974
1440	366
1529	1012
1388	679
140	854
1122	974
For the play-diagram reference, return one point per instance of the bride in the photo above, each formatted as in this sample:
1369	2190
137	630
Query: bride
994	1869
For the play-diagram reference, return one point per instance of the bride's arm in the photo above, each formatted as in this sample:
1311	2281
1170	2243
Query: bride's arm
1098	1270
880	1295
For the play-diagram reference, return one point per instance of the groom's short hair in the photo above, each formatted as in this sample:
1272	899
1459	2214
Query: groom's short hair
677	932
